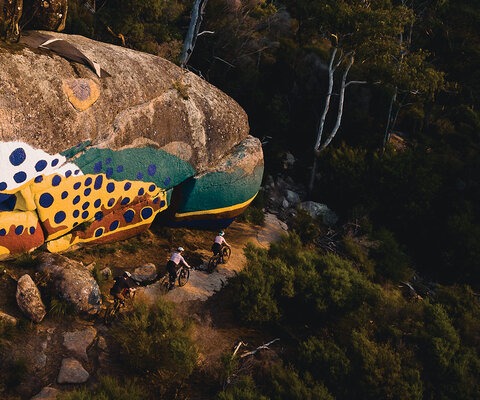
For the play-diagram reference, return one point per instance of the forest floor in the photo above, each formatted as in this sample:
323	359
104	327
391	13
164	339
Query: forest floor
216	329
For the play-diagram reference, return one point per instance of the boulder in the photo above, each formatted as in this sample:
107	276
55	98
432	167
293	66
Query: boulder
145	273
29	299
71	282
101	140
292	197
72	371
77	342
316	210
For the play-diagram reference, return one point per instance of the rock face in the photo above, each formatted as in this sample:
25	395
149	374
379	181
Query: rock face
92	158
72	371
71	281
29	299
77	342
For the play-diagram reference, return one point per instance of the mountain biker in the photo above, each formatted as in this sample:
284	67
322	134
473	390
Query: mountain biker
175	259
123	285
218	244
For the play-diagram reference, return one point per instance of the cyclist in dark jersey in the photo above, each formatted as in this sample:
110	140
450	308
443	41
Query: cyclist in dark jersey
123	284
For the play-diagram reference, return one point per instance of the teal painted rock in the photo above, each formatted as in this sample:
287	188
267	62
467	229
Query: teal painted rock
89	159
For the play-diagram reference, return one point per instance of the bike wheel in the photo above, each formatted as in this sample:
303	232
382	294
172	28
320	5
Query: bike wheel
212	263
164	284
226	252
183	276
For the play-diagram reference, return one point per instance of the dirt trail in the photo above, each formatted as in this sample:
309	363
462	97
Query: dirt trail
202	284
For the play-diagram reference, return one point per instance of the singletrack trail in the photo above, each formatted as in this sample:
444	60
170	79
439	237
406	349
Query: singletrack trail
202	285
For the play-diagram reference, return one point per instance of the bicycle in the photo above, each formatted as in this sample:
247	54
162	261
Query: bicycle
221	257
112	310
182	277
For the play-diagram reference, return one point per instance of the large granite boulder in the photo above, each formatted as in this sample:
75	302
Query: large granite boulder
71	281
99	140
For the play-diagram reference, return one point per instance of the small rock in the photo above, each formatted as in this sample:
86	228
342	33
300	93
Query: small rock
147	272
5	318
78	342
29	299
72	371
47	393
102	343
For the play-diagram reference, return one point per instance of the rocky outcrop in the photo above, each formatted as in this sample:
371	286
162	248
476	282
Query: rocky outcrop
77	342
72	371
101	140
29	299
71	282
145	100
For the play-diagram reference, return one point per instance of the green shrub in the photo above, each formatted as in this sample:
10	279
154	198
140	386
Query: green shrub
338	288
252	215
153	339
15	371
108	388
308	228
244	389
60	308
381	372
25	260
261	285
391	261
325	361
285	383
463	307
359	254
440	339
277	284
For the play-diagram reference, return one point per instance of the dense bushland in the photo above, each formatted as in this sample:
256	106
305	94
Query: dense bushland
355	335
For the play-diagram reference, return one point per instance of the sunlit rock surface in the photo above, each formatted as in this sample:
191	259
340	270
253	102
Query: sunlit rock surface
89	159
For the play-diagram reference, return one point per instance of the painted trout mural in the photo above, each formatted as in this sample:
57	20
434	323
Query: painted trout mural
93	155
91	195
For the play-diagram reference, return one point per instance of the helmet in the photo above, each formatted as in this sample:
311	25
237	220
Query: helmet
221	233
180	249
126	273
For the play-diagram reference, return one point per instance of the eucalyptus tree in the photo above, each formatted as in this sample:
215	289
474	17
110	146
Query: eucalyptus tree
365	39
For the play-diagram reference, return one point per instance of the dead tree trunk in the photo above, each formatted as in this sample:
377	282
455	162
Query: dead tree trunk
319	146
192	34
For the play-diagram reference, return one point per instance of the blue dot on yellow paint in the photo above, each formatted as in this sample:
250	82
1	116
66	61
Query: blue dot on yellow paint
59	217
46	200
